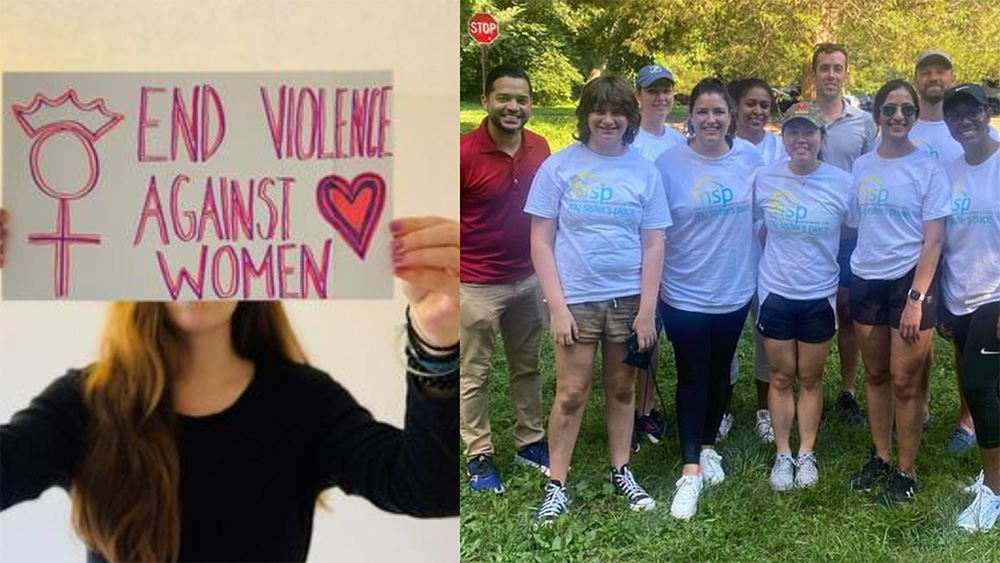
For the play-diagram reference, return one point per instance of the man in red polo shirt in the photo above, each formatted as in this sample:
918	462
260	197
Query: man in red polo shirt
499	289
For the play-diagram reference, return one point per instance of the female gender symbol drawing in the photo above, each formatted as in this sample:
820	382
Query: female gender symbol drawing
86	134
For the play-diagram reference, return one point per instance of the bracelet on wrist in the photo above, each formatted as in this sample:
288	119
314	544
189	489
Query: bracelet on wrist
424	349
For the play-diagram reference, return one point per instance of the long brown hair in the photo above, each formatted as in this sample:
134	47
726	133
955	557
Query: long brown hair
125	491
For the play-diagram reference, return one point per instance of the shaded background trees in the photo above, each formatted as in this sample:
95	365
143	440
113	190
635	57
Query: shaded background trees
563	42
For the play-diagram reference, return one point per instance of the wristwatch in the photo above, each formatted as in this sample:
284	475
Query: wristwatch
917	296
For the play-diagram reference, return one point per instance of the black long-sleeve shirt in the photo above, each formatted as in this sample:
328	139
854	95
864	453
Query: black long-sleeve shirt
251	474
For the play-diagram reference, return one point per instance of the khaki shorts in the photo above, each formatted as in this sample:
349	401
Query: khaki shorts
598	320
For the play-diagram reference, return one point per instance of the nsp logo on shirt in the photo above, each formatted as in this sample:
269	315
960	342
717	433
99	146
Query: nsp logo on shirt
711	199
961	209
873	199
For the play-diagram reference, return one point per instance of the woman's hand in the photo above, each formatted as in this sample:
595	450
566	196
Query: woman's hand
909	322
563	327
645	329
425	256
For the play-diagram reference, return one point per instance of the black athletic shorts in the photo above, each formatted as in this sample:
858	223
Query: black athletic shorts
810	320
881	302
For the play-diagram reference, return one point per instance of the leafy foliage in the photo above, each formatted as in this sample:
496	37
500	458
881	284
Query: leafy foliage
562	42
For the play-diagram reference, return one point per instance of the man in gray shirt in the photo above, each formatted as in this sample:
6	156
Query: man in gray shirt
849	134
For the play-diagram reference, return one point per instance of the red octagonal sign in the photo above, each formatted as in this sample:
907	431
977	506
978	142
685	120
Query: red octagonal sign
483	28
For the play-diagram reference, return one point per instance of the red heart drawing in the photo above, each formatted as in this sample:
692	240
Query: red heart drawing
352	208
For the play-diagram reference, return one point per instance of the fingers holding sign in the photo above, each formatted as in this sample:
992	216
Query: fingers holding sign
425	256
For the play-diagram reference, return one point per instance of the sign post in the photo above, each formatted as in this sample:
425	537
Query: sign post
484	29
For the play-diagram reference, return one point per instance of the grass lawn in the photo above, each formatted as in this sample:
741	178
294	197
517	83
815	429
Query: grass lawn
740	520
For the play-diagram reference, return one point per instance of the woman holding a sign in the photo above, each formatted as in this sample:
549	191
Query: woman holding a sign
201	433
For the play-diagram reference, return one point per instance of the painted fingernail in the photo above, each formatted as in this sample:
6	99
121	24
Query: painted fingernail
395	226
396	246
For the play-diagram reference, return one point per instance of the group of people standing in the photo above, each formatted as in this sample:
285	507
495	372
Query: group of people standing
845	216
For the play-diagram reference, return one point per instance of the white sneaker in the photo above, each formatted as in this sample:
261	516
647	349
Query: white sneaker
725	426
783	473
685	503
982	513
764	429
974	487
806	473
711	467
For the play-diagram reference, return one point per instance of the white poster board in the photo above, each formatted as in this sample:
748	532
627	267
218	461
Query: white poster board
191	186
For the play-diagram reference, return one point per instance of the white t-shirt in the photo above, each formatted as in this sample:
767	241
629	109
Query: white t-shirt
803	215
770	148
710	255
601	203
971	255
651	146
892	199
934	138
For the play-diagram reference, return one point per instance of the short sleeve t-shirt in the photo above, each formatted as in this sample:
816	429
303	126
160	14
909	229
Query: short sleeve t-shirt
771	149
849	136
934	138
496	233
601	204
803	215
710	257
971	256
892	199
651	146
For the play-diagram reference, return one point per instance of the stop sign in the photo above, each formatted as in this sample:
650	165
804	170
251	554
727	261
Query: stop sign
483	28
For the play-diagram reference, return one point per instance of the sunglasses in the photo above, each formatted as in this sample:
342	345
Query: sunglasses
889	110
973	115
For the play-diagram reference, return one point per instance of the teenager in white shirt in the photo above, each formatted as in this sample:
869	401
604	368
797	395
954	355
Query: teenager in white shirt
802	204
709	276
901	202
654	89
597	246
970	286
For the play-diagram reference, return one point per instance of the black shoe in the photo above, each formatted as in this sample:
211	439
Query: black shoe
900	490
850	409
652	426
874	471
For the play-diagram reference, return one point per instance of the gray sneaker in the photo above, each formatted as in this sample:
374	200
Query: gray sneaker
806	473
783	472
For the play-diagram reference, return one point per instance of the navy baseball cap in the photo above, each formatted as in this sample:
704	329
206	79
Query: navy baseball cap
650	74
968	90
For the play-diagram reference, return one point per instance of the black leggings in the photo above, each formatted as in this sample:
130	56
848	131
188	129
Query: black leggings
976	336
704	345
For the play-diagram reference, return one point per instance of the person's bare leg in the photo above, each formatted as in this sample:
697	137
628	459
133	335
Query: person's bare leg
847	342
782	360
991	468
574	371
619	383
907	368
873	341
925	385
964	415
811	359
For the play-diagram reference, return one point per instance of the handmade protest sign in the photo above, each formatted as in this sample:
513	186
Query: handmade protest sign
197	186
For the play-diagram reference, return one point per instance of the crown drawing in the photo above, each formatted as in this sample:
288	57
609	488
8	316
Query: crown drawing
93	117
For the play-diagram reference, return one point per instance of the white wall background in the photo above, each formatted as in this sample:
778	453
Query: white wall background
354	341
